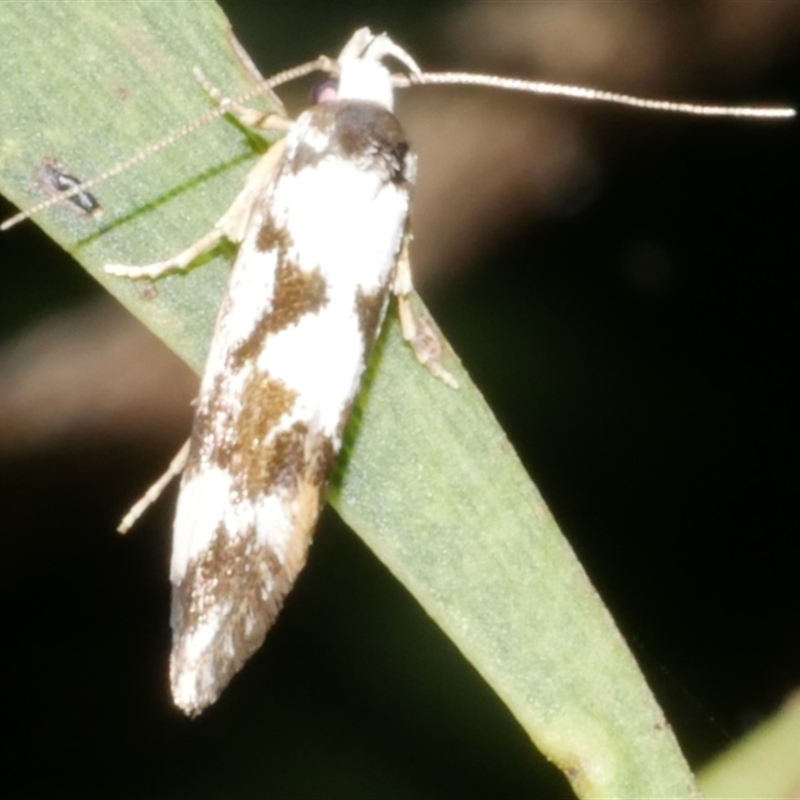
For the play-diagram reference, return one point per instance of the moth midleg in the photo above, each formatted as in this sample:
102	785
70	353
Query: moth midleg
152	494
178	262
231	225
417	327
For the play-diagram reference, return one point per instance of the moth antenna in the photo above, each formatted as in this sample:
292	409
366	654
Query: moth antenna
211	115
585	93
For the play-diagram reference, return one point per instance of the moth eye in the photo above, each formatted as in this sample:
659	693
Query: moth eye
324	91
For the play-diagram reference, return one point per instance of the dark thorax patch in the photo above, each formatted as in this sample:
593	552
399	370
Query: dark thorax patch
358	131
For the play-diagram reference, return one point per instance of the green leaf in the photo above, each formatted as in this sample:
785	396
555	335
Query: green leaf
427	478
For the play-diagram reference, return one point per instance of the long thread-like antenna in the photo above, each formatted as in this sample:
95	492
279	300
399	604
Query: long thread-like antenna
585	93
404	81
143	155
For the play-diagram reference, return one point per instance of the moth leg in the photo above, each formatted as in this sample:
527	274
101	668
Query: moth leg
250	67
154	492
231	225
417	327
251	117
178	262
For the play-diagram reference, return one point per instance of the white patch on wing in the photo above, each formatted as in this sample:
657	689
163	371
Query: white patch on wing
314	138
250	291
326	385
207	498
349	228
204	498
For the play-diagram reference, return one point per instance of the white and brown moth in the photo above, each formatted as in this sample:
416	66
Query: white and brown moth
322	223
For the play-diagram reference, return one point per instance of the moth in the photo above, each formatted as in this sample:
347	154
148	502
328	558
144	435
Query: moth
323	227
323	233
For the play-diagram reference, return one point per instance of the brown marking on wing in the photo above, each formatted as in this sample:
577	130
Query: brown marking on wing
203	430
297	293
247	583
244	581
270	399
272	236
255	452
258	459
242	440
309	496
285	460
308	501
293	457
370	308
320	468
306	157
225	434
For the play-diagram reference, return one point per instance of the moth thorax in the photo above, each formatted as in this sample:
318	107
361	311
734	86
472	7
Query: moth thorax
365	79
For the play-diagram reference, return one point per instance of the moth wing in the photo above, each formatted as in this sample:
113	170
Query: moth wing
305	301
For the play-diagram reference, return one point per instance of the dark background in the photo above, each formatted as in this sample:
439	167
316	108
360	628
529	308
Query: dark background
630	315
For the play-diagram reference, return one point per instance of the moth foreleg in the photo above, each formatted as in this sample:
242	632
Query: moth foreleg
178	262
174	469
231	225
251	117
417	327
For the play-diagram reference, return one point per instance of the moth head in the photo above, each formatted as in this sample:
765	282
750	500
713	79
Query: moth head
362	75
